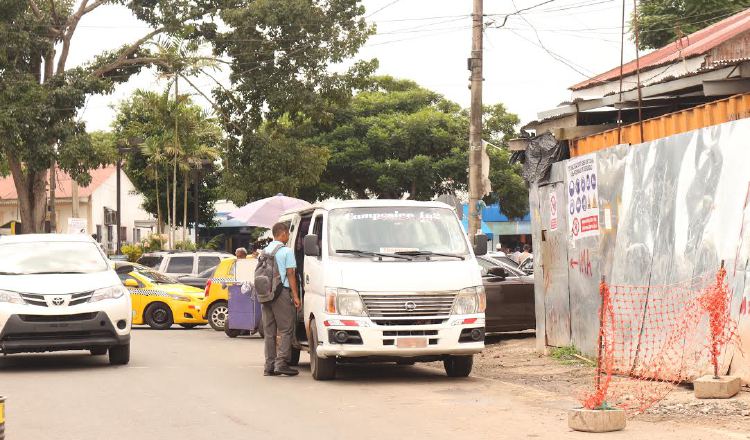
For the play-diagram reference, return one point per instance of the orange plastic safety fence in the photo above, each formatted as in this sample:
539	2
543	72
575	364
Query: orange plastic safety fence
653	337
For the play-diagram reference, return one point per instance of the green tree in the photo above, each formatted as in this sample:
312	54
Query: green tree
40	95
151	116
395	137
661	22
280	53
508	187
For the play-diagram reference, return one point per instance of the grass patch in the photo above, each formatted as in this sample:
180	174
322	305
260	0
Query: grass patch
568	356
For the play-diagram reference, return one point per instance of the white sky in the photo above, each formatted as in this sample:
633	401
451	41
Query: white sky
429	41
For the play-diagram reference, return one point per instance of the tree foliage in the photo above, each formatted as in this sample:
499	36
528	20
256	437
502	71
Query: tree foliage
280	54
40	95
661	22
150	116
393	138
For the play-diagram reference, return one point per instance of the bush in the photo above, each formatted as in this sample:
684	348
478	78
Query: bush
132	251
185	246
154	242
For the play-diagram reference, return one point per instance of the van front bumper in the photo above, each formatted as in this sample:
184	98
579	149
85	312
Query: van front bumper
381	341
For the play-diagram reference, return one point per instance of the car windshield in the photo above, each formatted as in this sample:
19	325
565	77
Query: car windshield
388	230
156	277
52	257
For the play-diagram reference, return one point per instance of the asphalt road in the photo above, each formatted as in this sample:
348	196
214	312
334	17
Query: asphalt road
199	384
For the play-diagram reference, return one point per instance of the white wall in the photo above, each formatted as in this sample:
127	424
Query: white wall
131	206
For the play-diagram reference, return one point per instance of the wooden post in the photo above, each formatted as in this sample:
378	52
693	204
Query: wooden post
475	130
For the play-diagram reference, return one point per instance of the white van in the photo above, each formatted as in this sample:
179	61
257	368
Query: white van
387	280
60	292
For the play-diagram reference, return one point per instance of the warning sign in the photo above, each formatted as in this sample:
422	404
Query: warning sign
583	206
553	212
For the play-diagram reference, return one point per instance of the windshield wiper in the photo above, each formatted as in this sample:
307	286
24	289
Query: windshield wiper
11	273
371	254
429	254
55	272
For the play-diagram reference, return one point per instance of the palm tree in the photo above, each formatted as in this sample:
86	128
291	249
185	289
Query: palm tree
178	59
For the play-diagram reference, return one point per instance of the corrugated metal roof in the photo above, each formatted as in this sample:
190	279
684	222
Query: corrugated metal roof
695	44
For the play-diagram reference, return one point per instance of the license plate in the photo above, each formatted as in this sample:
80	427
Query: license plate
411	343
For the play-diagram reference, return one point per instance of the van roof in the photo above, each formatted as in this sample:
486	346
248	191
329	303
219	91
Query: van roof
368	203
39	238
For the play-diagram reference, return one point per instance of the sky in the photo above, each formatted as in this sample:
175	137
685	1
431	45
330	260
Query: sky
529	63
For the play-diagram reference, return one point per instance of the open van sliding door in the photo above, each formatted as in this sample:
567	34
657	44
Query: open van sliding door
315	300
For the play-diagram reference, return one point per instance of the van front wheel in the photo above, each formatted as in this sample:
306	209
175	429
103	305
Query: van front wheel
119	354
458	366
322	369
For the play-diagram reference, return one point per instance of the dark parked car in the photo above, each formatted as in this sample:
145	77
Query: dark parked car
510	297
199	280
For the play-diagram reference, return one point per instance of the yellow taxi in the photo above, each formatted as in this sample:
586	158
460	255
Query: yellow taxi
217	293
160	301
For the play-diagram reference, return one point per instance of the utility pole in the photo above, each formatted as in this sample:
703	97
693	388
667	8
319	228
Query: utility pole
475	131
74	198
118	243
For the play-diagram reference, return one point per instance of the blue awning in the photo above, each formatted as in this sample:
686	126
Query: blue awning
465	221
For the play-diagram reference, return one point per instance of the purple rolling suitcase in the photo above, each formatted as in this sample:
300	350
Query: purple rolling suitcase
244	311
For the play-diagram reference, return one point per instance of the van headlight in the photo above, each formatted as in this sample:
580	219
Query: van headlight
470	301
10	297
344	302
113	292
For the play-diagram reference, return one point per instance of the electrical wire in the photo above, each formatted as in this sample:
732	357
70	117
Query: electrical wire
383	8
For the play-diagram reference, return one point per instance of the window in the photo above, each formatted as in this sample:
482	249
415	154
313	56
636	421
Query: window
318	229
205	263
51	257
151	261
136	235
123	237
180	265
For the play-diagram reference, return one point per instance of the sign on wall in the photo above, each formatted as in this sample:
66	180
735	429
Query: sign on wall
583	206
553	208
78	226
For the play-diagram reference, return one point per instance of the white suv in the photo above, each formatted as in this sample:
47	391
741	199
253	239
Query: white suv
176	263
60	292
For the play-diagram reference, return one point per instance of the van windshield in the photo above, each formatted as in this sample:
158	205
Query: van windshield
52	257
390	230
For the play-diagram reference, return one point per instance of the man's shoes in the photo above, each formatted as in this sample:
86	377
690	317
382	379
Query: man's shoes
270	373
286	371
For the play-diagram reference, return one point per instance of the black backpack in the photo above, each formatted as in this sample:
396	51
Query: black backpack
268	284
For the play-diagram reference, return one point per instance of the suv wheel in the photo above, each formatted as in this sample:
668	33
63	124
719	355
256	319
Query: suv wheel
119	354
217	315
159	316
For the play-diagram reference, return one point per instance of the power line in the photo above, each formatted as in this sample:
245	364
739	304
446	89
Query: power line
383	8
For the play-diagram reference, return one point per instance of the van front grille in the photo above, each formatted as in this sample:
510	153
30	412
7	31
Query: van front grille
400	306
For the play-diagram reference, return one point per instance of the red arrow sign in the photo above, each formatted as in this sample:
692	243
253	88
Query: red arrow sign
573	263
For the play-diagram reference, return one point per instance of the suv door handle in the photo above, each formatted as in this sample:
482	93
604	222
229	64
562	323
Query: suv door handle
307	279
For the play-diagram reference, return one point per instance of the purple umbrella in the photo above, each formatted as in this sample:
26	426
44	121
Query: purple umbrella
266	212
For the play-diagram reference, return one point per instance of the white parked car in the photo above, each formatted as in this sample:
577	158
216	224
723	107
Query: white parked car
60	292
387	280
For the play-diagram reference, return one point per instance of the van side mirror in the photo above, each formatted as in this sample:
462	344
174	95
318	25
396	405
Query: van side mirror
130	283
312	249
480	244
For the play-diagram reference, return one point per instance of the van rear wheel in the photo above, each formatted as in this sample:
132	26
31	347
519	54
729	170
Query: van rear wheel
458	366
322	369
